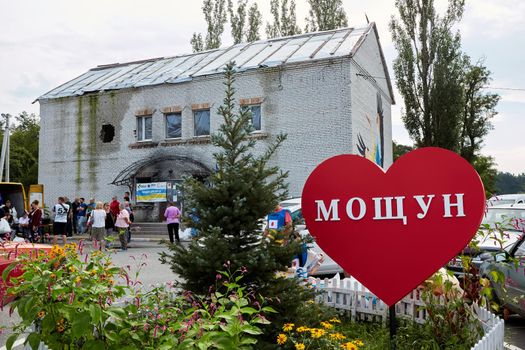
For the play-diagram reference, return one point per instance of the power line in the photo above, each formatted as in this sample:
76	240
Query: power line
484	87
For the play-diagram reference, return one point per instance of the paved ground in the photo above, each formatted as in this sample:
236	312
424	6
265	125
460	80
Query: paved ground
146	249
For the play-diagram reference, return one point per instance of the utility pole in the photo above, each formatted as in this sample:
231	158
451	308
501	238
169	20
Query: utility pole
4	157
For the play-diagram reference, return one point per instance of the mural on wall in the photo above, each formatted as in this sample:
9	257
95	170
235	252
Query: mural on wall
376	151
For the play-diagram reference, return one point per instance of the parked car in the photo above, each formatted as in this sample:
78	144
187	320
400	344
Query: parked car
506	199
511	264
512	216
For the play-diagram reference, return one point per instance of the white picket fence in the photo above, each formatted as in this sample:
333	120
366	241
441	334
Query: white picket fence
350	295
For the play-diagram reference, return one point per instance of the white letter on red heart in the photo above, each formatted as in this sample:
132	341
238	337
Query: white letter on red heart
393	230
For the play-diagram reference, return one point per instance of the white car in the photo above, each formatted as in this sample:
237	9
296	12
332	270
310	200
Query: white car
506	199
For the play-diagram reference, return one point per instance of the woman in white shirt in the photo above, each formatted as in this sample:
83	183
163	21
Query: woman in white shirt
5	228
98	225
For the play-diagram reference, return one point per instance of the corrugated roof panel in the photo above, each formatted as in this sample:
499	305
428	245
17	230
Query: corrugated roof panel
112	81
78	88
281	55
167	65
220	62
202	64
347	46
304	53
270	53
327	50
146	69
262	55
249	52
179	69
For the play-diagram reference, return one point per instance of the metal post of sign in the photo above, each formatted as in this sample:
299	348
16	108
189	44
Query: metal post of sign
393	326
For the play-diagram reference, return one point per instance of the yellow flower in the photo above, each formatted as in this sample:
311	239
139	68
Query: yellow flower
60	329
337	336
78	279
72	269
281	339
299	346
288	327
349	346
358	342
327	325
41	314
335	320
302	329
317	332
310	302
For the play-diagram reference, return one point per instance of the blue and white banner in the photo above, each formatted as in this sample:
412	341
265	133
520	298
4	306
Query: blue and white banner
151	192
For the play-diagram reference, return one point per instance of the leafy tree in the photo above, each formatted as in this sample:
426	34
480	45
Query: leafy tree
24	149
215	16
478	109
428	71
254	23
399	149
486	168
237	20
284	19
197	43
326	15
242	190
509	183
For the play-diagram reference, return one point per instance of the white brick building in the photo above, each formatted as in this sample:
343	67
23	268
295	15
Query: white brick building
122	124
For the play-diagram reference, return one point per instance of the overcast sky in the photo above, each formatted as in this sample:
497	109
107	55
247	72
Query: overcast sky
46	43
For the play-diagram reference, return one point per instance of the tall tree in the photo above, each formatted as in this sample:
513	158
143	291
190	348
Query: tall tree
326	15
254	23
284	19
215	14
25	131
486	168
478	109
237	20
428	71
197	43
399	149
242	190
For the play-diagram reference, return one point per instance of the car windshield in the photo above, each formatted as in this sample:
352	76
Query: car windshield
513	219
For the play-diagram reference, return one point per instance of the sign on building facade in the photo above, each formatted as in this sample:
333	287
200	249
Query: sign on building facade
151	192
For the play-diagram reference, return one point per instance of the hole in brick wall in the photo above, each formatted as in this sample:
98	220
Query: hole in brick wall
107	133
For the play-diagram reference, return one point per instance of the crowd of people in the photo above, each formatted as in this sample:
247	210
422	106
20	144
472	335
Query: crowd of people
97	219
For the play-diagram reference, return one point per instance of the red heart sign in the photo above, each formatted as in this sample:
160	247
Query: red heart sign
393	230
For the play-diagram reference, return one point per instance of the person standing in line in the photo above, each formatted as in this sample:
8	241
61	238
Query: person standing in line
127	206
74	211
35	221
91	206
23	225
122	225
98	225
109	223
114	206
61	211
69	226
127	197
172	215
81	216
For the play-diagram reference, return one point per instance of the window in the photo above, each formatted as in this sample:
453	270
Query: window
173	125
107	133
144	127
201	122
256	116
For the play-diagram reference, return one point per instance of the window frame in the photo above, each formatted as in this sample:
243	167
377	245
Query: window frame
250	106
141	124
195	111
166	115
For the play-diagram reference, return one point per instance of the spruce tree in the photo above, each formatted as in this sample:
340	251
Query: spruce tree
242	189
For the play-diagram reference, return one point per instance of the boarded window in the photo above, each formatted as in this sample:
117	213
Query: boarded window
201	122
173	125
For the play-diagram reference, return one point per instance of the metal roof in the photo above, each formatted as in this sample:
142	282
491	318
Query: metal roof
247	56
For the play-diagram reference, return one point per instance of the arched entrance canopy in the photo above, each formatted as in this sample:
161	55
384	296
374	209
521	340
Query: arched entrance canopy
185	164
